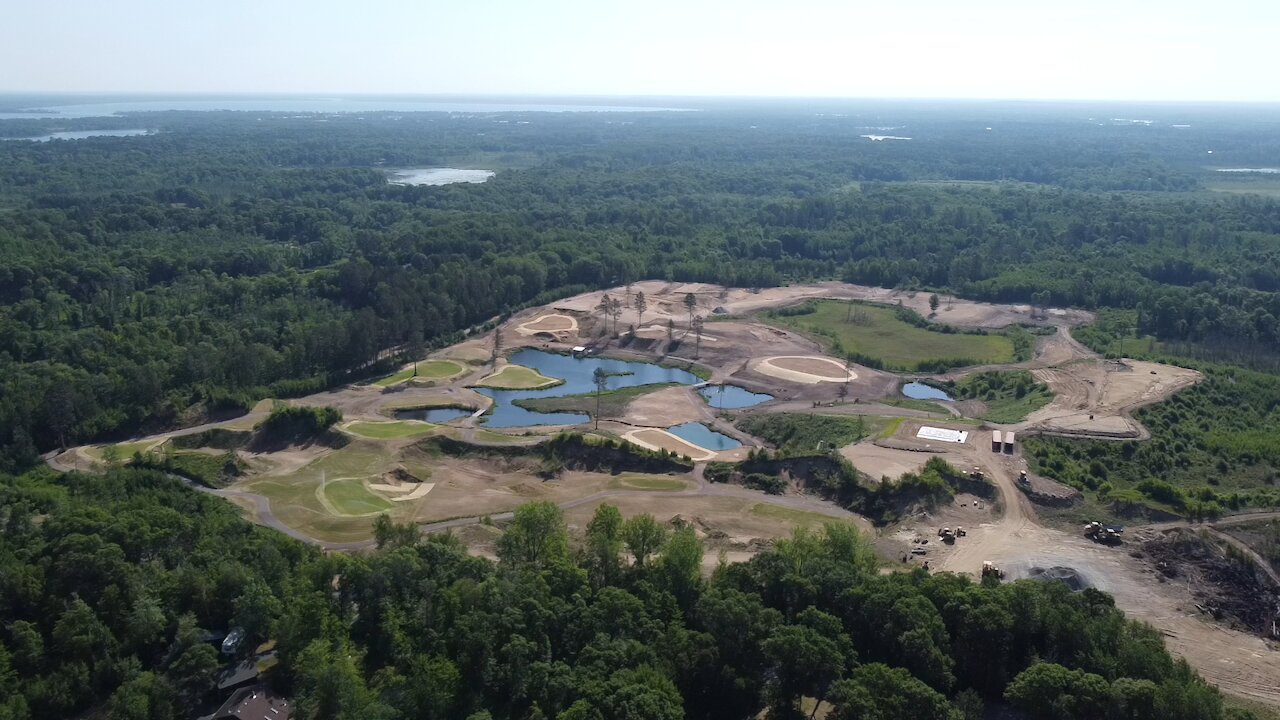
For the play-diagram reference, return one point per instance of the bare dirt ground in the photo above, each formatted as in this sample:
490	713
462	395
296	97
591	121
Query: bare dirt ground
878	462
807	369
1098	397
664	408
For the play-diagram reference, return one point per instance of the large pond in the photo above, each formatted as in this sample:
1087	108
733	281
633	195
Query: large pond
438	176
434	415
920	391
579	378
732	397
82	134
703	436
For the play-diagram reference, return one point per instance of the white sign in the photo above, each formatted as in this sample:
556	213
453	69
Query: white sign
943	434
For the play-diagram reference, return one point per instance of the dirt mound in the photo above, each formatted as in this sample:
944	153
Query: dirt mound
1059	573
399	475
1225	584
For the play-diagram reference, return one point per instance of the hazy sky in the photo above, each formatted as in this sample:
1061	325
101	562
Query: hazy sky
1078	49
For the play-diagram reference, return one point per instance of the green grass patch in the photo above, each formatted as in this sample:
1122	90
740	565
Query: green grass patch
801	518
613	403
643	481
890	428
1009	396
914	404
429	369
390	430
518	377
703	373
804	433
893	338
350	497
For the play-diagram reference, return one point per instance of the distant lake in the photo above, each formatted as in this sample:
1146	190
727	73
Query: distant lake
310	105
1263	171
82	134
878	138
438	176
732	397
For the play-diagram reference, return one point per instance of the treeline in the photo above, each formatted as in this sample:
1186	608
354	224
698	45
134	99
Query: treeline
111	583
161	280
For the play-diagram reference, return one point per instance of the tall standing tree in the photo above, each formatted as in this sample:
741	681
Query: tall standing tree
640	304
690	304
497	349
601	379
606	308
934	301
697	323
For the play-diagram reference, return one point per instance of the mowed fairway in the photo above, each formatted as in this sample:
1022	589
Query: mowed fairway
350	497
429	369
390	430
878	333
518	377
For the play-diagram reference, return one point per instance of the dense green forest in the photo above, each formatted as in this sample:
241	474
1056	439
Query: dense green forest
156	280
110	586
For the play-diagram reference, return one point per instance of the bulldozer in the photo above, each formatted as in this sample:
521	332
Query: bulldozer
989	569
947	536
1105	534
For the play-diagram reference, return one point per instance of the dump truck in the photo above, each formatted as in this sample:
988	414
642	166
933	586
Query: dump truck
1105	534
989	569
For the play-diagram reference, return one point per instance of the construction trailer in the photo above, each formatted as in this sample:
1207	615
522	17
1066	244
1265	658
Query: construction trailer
996	441
1008	442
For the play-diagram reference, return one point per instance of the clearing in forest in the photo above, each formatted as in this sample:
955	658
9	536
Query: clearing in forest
518	377
879	334
351	497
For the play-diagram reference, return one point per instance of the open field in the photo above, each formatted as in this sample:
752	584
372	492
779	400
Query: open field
641	481
877	332
518	377
806	369
389	430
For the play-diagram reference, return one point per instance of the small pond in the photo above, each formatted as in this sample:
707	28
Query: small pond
434	415
578	375
920	391
703	436
732	397
438	176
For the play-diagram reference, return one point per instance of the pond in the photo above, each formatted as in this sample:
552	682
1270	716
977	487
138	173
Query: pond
82	134
920	391
732	397
703	436
438	176
434	415
578	375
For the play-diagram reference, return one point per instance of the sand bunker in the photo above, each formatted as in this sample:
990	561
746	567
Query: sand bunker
658	439
550	323
806	369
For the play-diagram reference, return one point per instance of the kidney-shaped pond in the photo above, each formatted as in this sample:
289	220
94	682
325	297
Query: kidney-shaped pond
578	374
434	415
732	397
920	391
703	436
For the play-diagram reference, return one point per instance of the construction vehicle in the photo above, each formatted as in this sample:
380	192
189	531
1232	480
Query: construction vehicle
1105	534
1022	479
989	569
960	532
976	474
946	535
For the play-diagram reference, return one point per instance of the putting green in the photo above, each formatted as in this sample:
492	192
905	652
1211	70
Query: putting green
429	369
350	497
390	430
518	377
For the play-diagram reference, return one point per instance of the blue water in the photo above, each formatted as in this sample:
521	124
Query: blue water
732	397
920	391
578	375
308	105
703	436
434	415
82	134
